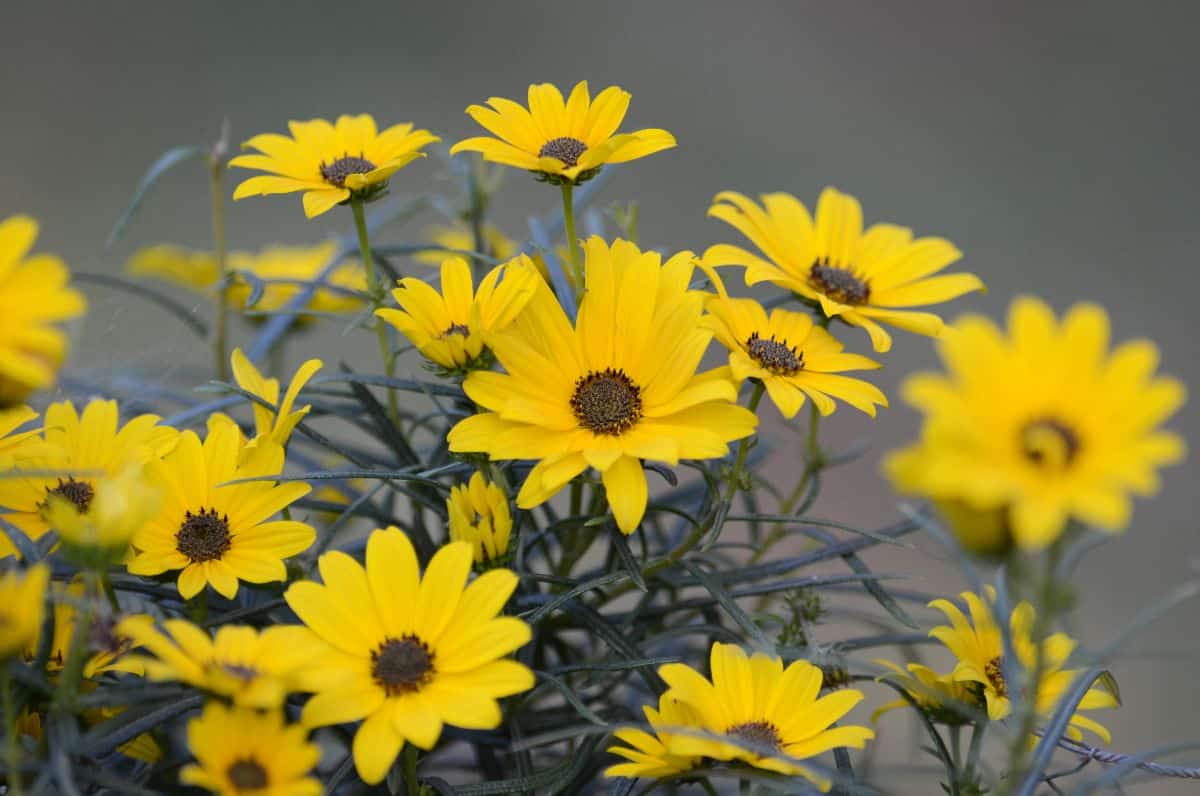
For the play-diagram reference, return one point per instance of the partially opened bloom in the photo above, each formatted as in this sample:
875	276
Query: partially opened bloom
939	696
979	649
408	653
274	425
561	141
793	357
479	514
1040	426
253	668
618	386
77	451
215	532
35	299
243	752
330	162
757	711
451	328
22	606
649	755
862	277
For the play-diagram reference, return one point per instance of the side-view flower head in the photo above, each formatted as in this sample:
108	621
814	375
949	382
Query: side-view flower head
479	515
273	425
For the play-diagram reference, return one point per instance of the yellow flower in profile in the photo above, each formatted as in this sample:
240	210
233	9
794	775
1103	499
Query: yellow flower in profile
216	532
863	277
452	328
563	142
240	752
979	649
251	668
118	509
649	755
86	447
762	713
454	239
793	357
22	606
330	162
35	300
409	653
938	696
617	387
479	515
276	425
1042	426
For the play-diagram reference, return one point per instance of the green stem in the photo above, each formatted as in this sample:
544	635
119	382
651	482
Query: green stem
12	746
568	201
376	292
813	464
221	332
708	788
973	751
410	770
72	671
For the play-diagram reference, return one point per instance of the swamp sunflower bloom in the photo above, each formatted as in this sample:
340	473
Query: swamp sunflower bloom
562	142
618	386
756	711
273	425
1039	426
22	606
979	649
479	515
118	509
862	277
938	696
649	754
35	300
330	162
215	532
408	654
244	752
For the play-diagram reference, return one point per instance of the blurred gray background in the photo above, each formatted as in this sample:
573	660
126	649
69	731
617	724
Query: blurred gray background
1055	143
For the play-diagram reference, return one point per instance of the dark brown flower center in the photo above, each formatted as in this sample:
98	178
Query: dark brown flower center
78	492
335	173
565	149
203	536
1048	442
994	671
455	328
839	284
402	665
775	355
607	402
248	774
762	734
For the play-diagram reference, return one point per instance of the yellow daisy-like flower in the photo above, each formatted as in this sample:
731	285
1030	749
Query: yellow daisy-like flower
118	509
274	426
454	239
939	696
617	387
409	653
1044	424
563	142
251	668
649	755
979	649
863	277
242	752
22	606
479	515
216	532
452	328
35	300
330	162
755	701
86	447
793	357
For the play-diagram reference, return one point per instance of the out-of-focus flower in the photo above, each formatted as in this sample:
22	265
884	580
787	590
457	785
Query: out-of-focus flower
455	239
240	752
22	606
479	515
119	508
939	696
649	755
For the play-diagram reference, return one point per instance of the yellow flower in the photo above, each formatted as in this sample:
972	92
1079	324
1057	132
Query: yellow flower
330	163
118	509
251	668
86	447
979	649
34	300
939	696
791	356
273	426
13	442
196	270
240	752
22	606
755	701
619	386
108	648
452	328
454	239
409	654
562	142
214	532
1046	424
479	514
650	755
861	277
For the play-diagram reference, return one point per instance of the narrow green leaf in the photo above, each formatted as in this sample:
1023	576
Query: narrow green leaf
167	161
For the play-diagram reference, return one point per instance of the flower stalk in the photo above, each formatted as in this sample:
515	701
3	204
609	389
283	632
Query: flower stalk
376	292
